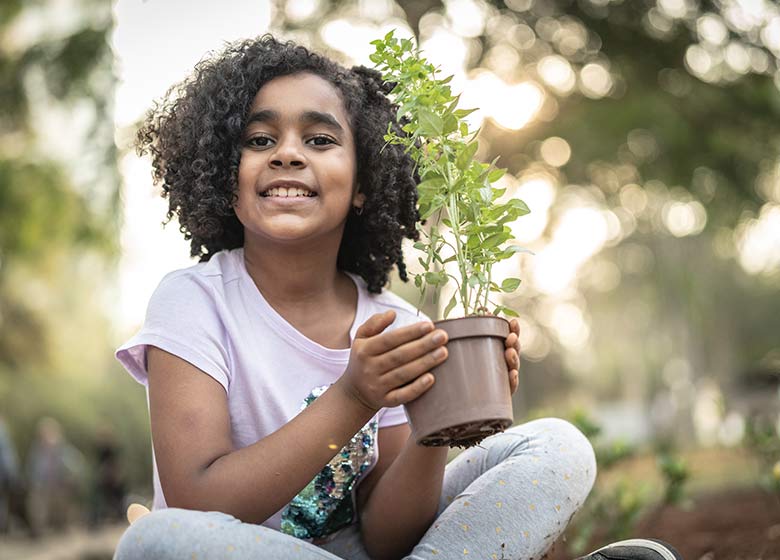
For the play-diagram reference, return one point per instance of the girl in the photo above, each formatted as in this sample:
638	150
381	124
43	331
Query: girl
277	367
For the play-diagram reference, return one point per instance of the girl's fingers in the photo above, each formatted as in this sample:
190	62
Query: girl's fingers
375	324
409	371
405	353
514	381
513	340
409	392
390	340
512	358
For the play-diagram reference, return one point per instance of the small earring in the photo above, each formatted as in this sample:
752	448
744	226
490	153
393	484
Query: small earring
358	210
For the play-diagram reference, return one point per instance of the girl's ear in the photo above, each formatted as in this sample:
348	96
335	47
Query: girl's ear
358	200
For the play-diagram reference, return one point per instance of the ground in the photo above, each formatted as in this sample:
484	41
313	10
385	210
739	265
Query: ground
726	525
74	544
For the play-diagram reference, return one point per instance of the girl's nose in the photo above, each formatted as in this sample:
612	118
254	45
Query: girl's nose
286	162
288	153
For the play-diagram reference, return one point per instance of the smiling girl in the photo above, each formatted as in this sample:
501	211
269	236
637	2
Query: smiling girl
276	368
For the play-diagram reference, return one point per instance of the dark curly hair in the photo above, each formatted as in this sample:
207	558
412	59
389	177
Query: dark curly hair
193	136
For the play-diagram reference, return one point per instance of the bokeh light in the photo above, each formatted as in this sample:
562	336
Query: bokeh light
711	29
557	73
555	151
596	81
580	233
758	241
684	218
510	106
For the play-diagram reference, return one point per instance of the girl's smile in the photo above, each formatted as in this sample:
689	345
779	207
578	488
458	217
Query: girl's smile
286	192
287	201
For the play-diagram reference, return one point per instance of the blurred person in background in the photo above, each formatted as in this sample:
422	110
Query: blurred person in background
108	489
54	470
13	489
9	475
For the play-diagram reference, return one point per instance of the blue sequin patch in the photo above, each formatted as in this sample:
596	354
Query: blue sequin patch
326	505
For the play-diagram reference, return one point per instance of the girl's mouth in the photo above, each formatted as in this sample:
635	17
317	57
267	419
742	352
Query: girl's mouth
288	200
288	192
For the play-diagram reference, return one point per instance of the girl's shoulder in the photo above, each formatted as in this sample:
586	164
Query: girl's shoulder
221	268
198	288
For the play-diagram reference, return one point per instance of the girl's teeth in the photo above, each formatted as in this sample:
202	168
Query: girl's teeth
286	193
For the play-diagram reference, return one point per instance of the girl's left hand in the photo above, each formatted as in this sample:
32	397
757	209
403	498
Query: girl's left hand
512	354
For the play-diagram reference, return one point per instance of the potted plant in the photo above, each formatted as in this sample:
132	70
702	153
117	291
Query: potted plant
470	399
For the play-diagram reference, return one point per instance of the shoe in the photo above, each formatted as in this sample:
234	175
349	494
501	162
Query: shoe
635	549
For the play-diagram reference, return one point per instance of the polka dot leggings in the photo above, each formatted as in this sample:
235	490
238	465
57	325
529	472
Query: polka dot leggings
509	498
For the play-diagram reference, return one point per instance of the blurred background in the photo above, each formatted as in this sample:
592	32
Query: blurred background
644	136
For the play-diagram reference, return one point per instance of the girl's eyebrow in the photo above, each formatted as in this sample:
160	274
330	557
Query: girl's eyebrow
306	117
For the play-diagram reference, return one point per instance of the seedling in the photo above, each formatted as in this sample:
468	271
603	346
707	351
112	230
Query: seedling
455	190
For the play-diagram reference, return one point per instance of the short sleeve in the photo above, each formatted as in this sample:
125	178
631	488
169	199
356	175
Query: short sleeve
397	415
183	319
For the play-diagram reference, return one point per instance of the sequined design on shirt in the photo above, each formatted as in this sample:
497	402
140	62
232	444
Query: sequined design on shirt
326	504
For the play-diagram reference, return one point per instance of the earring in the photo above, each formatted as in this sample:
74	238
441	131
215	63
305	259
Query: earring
358	210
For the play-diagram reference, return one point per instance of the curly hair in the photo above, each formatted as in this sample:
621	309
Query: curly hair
193	135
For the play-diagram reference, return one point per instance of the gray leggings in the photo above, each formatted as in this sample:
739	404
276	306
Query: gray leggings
511	497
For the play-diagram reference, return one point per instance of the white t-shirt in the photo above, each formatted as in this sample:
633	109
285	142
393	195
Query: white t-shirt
213	316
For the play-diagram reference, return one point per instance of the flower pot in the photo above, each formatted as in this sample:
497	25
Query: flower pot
471	397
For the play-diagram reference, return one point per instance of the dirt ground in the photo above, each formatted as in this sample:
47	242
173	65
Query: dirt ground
728	525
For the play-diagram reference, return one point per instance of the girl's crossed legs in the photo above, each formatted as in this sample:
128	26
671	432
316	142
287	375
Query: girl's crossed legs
510	497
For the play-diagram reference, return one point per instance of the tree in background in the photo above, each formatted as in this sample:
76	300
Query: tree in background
59	222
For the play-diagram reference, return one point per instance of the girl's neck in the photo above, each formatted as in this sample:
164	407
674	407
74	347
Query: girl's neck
294	276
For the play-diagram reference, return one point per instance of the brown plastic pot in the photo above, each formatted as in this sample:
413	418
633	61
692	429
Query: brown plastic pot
470	399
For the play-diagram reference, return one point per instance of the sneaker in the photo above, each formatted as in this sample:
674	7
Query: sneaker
635	549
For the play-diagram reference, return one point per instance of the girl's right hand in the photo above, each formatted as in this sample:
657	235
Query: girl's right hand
392	368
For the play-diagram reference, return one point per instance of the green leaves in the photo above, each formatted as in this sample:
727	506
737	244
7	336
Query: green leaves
455	192
510	284
505	310
464	157
436	278
430	124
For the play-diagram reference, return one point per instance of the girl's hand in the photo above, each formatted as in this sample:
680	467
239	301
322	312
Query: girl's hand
512	354
388	369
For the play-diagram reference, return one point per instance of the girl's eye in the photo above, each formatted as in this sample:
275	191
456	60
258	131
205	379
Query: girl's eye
322	138
262	141
255	141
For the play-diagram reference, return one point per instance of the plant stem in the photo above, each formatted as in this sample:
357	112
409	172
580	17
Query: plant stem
455	221
489	268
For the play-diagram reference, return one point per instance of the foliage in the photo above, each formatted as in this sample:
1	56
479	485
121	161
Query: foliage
675	474
618	509
58	229
763	442
614	511
46	215
455	189
695	124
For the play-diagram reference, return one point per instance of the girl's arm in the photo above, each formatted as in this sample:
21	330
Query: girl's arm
399	498
191	434
198	466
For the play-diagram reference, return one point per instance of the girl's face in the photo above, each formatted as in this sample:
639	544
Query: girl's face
297	131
